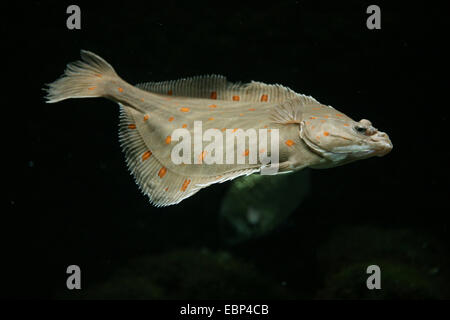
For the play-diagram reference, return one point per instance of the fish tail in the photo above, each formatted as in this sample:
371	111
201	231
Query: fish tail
85	78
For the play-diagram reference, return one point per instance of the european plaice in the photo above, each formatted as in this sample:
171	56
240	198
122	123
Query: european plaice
181	136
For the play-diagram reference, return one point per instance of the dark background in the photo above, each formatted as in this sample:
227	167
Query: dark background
70	199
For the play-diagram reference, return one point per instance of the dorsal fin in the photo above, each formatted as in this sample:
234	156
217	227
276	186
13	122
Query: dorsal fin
218	87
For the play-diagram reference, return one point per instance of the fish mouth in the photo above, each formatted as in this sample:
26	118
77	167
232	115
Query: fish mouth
381	143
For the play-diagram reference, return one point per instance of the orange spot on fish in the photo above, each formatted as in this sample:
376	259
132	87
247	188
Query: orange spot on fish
212	106
171	119
326	117
98	75
236	98
184	109
120	89
92	88
146	155
326	133
166	189
346	125
313	118
323	121
245	152
142	99
316	108
213	95
185	184
265	126
211	118
252	109
146	117
339	115
162	172
184	126
170	92
168	139
289	143
223	129
202	156
264	98
262	150
131	126
234	130
241	114
318	137
270	130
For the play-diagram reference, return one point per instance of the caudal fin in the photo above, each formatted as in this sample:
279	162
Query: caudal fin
82	79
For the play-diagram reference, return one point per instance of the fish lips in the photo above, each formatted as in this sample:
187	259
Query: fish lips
381	144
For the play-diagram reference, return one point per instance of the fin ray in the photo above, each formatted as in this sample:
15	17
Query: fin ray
81	79
218	87
289	111
165	187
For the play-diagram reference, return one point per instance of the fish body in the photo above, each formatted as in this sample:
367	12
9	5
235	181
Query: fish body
181	136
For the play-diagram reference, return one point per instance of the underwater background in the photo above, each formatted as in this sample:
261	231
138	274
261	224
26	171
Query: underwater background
307	235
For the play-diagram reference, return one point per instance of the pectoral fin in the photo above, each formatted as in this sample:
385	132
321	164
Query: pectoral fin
290	111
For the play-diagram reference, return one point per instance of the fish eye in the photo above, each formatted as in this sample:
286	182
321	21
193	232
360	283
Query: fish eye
360	129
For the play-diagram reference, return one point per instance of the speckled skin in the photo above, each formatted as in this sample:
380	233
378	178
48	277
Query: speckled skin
310	134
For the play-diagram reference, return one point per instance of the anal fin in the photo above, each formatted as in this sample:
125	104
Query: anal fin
162	185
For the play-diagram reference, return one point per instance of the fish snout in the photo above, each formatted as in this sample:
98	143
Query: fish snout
382	143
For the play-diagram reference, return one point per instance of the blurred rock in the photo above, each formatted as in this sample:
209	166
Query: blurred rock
410	264
184	274
257	204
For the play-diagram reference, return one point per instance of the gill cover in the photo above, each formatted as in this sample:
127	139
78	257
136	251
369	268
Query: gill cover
334	139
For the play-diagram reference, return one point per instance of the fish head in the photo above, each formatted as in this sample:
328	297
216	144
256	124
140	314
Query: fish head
343	140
